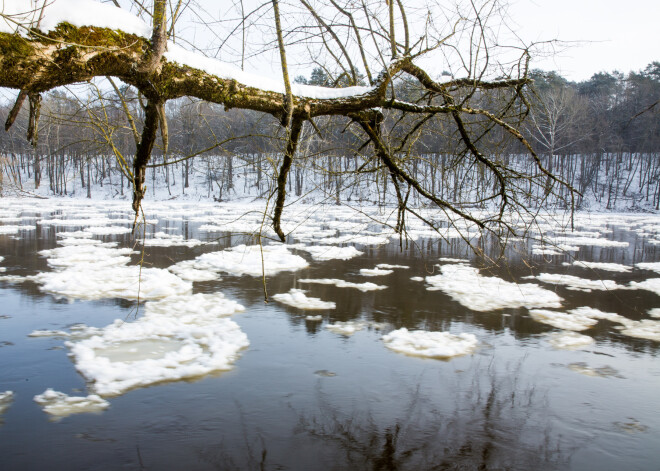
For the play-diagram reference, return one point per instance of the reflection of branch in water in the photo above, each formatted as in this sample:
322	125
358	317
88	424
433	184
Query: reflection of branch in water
494	424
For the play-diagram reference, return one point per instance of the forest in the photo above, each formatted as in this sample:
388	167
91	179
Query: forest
601	135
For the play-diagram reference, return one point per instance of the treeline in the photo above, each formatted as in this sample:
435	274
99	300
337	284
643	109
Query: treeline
602	136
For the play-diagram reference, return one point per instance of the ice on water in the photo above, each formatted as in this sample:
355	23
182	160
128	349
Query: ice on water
568	340
298	298
61	405
368	286
179	337
430	344
250	260
484	293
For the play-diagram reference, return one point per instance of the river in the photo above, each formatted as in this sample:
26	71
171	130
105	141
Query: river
434	356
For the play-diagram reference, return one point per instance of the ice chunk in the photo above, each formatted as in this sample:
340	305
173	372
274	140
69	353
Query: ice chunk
576	283
368	286
655	312
653	266
328	252
645	329
61	405
346	328
186	271
569	340
562	320
430	344
374	272
247	260
314	318
86	269
614	267
163	239
297	298
652	284
481	293
6	399
177	338
417	278
108	230
387	266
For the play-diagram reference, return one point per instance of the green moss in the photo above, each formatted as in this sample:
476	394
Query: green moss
15	46
93	35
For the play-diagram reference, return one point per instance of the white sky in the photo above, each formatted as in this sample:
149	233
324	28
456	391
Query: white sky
619	35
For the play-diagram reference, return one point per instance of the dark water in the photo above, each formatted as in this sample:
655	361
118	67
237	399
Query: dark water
301	397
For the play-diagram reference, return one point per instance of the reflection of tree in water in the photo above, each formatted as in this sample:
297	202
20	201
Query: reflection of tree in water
496	423
490	420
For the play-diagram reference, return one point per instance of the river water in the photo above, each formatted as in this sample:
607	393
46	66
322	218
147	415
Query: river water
521	392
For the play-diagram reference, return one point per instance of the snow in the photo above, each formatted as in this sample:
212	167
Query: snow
297	298
481	293
430	344
343	284
227	71
346	328
75	12
374	272
569	340
576	283
179	337
61	405
247	260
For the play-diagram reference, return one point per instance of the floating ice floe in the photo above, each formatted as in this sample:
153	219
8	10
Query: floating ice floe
586	241
576	283
387	266
653	266
374	272
482	293
186	271
651	284
61	405
95	271
655	312
614	267
562	320
600	372
368	286
430	344
6	399
346	328
645	329
314	318
12	229
328	252
108	230
179	337
453	260
417	278
569	340
163	239
247	260
297	298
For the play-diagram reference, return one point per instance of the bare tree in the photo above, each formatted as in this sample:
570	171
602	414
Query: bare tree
482	95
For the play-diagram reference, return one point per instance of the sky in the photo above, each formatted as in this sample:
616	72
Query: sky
609	35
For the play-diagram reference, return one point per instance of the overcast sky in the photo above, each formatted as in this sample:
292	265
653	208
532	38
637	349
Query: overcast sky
616	34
